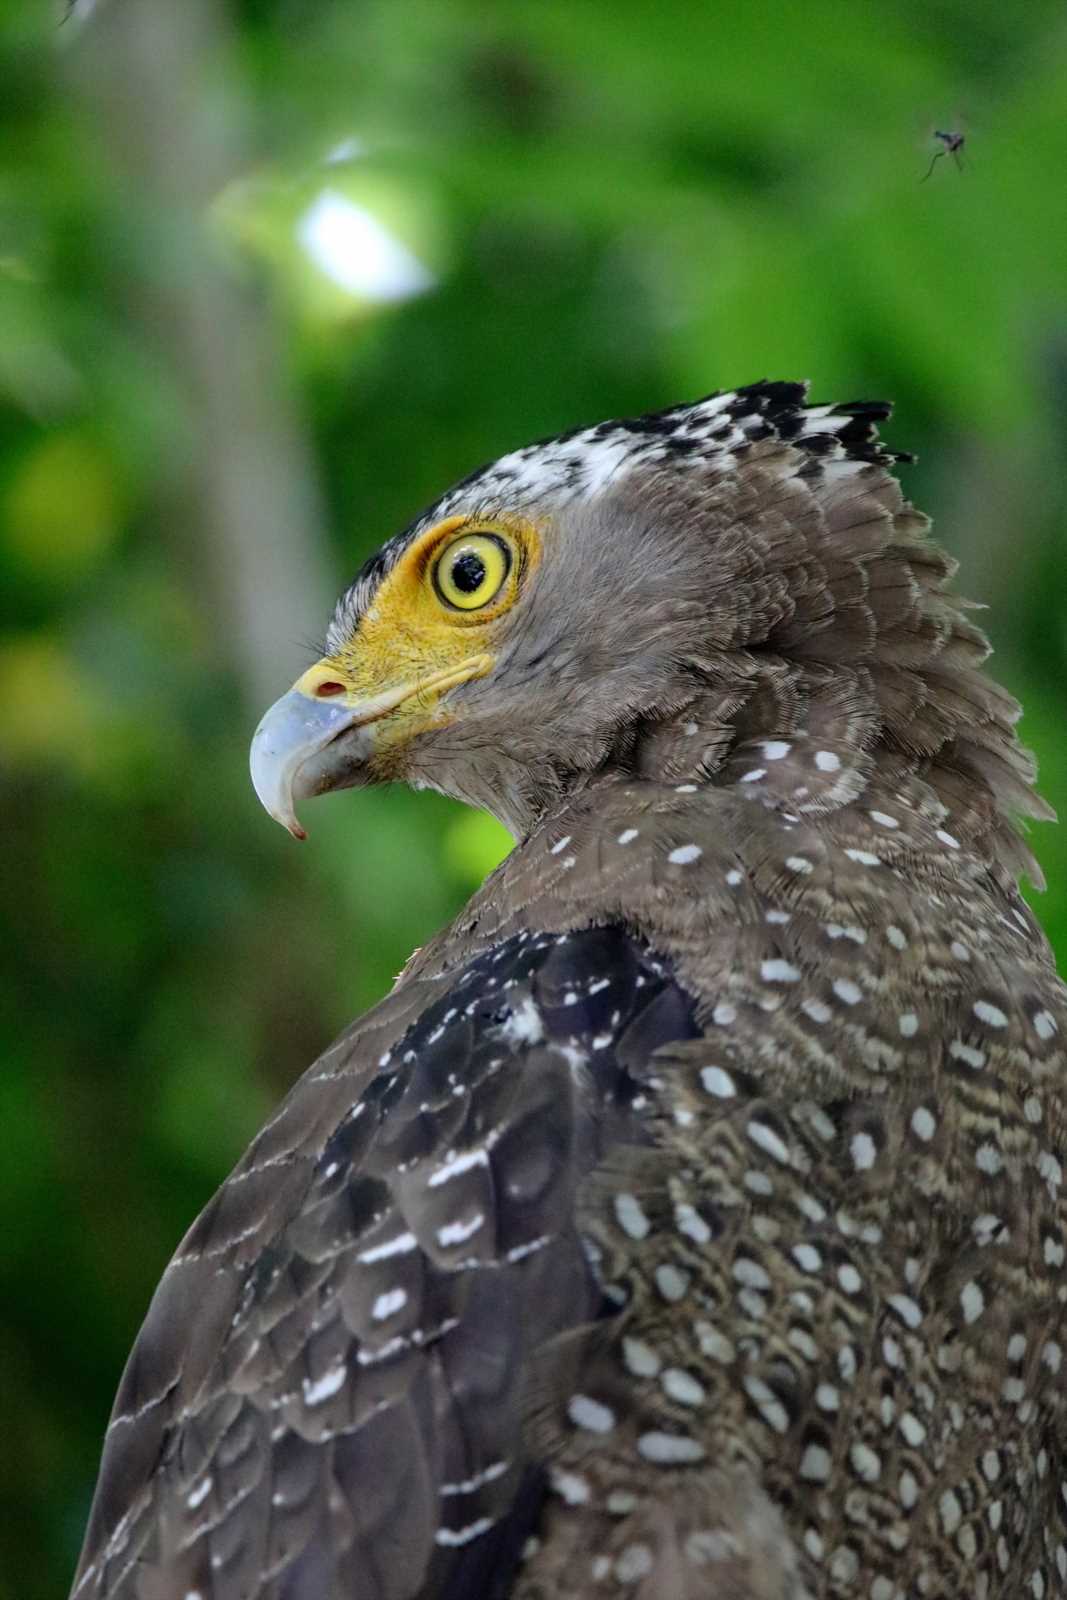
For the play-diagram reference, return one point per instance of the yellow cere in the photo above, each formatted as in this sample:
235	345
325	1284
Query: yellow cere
432	625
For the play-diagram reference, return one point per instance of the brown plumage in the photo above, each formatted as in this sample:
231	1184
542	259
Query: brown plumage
689	1219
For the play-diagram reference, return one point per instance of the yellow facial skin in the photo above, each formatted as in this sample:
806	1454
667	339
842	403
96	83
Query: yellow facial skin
432	626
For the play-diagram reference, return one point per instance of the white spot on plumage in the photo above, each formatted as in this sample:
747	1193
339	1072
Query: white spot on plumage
767	1403
451	1233
672	1282
844	1565
454	1537
799	864
839	930
815	1464
640	1358
682	1386
560	845
316	1390
199	1493
908	1490
669	1449
817	1010
779	971
457	1164
865	1462
988	1159
750	1273
571	1487
951	1511
802	1340
630	1215
592	1415
767	1139
907	1309
519	1251
864	1151
776	749
912	1429
884	820
908	1024
684	854
734	877
398	1245
754	776
633	1563
972	1301
847	991
827	761
691	1223
923	1123
478	1480
1045	1025
948	839
388	1304
991	1015
1049	1168
719	1082
714	1343
864	858
897	937
959	1050
627	835
620	1502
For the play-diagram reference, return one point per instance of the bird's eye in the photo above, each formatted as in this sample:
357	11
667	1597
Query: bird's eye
472	571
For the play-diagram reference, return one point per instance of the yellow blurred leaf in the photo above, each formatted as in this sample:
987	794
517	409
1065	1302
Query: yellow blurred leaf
61	509
45	711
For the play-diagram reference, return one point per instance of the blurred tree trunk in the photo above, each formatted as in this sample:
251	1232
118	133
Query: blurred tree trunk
159	86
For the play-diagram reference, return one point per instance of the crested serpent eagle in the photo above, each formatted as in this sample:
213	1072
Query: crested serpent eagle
689	1219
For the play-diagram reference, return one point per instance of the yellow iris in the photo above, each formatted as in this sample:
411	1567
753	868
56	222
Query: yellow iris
471	571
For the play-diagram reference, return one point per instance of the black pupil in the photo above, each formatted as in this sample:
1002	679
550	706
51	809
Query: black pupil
468	572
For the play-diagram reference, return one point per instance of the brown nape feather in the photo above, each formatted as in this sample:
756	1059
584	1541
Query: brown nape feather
834	621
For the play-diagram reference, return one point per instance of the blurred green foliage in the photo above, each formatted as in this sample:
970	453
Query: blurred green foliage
211	409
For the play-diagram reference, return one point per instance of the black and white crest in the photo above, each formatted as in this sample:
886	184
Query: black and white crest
580	464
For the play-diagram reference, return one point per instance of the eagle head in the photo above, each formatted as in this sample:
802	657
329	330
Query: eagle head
591	602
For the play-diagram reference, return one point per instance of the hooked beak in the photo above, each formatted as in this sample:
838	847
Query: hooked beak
289	759
306	745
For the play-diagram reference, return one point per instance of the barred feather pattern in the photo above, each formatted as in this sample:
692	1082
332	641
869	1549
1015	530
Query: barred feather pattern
690	1218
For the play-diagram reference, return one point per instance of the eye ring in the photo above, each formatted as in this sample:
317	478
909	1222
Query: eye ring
470	572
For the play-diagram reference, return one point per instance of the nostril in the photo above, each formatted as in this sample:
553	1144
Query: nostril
325	690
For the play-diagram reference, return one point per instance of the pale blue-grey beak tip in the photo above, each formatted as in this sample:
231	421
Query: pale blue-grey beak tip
294	731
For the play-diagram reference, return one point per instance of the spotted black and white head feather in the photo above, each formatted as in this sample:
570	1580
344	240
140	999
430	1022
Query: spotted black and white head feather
579	465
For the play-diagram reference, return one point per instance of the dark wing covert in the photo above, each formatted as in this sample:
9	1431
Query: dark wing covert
342	1412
